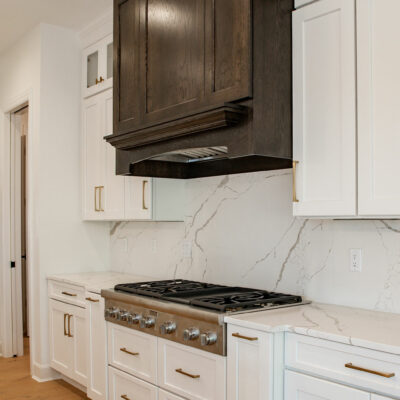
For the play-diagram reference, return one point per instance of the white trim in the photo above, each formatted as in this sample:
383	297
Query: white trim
10	106
44	373
97	30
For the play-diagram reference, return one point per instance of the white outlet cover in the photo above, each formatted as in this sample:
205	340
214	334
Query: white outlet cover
355	260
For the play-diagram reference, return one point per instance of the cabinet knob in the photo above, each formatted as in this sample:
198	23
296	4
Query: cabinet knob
99	80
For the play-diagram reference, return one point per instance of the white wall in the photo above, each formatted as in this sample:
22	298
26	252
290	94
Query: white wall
243	233
62	242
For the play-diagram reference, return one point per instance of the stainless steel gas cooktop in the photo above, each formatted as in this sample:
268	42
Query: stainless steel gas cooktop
185	311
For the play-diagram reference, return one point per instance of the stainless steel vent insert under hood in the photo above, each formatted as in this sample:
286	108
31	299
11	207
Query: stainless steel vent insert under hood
193	155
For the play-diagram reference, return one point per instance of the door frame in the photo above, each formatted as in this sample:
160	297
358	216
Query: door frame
7	299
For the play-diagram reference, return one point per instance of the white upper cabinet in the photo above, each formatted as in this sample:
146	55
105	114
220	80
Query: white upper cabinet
97	68
378	31
346	169
324	109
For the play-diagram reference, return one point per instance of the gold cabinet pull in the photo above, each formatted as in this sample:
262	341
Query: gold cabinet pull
92	300
180	371
101	209
69	326
95	199
99	80
144	195
124	350
65	325
125	397
69	294
370	371
295	200
238	335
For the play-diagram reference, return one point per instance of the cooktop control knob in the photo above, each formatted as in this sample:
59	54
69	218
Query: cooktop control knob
134	318
208	338
191	334
147	322
123	315
111	312
168	327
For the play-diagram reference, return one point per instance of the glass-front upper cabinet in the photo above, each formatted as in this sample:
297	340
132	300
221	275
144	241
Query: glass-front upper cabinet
97	67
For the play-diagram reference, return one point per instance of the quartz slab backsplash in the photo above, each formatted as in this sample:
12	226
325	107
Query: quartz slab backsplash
242	232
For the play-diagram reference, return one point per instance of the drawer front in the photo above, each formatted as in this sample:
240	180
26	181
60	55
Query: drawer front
127	387
133	352
303	387
67	293
191	373
163	395
329	359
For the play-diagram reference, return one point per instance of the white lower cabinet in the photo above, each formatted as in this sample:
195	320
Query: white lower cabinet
303	387
96	351
163	395
126	387
191	373
67	324
249	364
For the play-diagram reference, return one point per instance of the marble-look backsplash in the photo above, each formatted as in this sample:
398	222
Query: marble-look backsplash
242	233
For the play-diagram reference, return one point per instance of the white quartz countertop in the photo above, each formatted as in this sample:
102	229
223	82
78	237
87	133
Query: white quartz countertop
370	329
96	281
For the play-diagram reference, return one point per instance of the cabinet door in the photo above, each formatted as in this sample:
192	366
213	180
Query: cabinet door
324	132
77	330
113	201
138	198
303	387
61	347
96	347
378	107
250	364
97	67
93	158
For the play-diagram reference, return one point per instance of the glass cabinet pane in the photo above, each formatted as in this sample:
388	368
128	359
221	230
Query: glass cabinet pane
92	68
109	61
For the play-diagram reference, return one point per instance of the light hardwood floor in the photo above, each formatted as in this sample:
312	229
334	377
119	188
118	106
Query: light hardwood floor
17	384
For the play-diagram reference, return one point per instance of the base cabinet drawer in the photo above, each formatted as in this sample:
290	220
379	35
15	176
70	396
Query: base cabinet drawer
191	373
67	293
126	387
355	366
133	352
303	387
163	395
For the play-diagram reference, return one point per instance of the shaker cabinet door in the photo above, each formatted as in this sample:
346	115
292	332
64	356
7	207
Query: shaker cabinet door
324	136
303	387
378	30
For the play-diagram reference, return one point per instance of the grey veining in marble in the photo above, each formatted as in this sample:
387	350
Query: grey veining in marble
242	232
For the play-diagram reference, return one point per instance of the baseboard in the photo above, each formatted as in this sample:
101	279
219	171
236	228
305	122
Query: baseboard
44	373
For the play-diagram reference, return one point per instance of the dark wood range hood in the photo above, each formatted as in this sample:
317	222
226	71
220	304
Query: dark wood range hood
202	87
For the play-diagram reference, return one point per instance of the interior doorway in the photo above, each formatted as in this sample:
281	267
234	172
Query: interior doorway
18	232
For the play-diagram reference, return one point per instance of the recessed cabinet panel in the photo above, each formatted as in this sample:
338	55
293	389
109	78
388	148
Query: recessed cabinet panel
92	69
175	53
303	387
230	52
324	109
378	107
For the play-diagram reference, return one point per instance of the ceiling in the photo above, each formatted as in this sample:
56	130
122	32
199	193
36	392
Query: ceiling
19	16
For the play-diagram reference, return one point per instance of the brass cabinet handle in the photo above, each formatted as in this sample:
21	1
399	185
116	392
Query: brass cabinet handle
238	335
99	80
92	300
69	294
295	200
369	371
95	199
143	195
180	371
125	397
124	350
101	209
69	325
65	325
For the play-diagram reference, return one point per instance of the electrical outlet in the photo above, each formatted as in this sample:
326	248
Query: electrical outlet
355	260
187	249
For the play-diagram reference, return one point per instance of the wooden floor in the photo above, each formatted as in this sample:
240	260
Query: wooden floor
17	384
